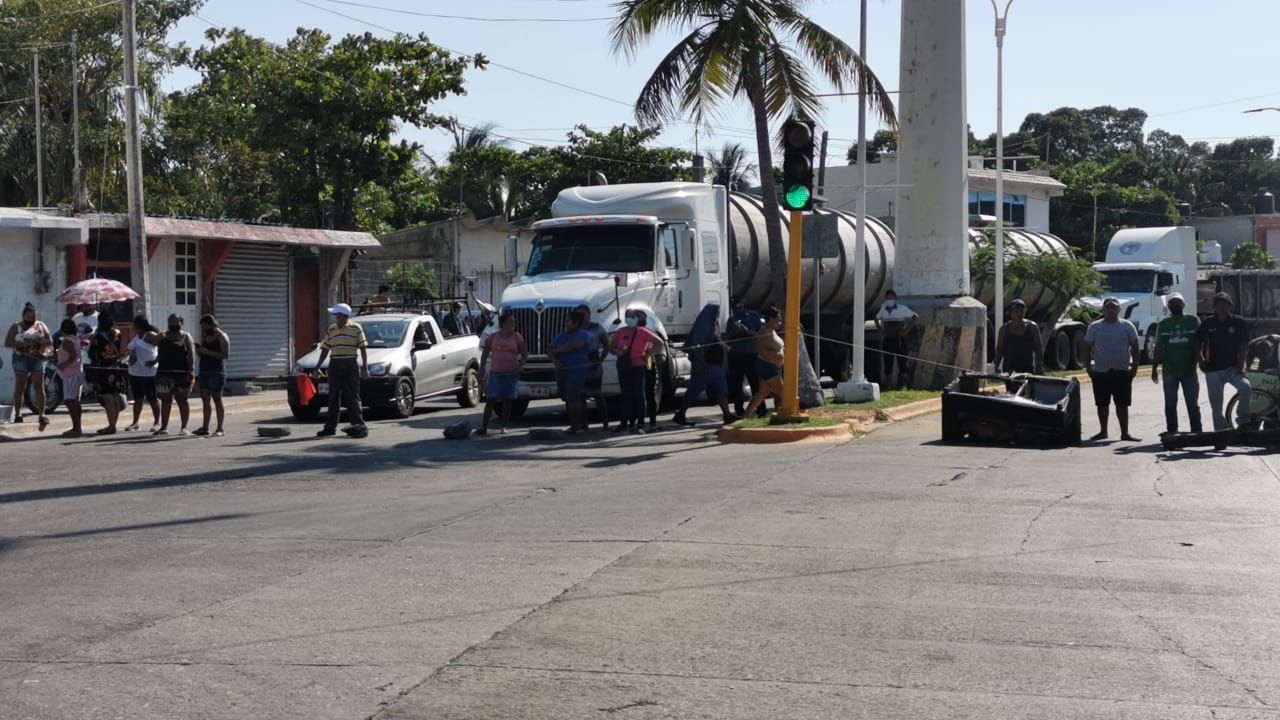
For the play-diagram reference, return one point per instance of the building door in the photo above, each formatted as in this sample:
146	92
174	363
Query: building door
175	283
253	306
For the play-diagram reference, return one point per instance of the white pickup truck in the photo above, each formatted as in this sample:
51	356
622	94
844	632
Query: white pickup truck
410	360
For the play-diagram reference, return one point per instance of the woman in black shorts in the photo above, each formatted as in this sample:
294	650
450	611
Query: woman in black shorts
105	371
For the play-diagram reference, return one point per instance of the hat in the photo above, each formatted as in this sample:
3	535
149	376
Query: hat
1224	297
1176	296
1111	300
1018	302
340	309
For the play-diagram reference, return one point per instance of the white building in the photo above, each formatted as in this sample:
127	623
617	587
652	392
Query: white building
33	269
1026	194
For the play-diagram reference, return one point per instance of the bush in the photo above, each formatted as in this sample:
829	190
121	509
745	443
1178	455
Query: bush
1250	256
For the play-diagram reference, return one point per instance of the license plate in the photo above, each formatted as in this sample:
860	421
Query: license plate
322	388
540	391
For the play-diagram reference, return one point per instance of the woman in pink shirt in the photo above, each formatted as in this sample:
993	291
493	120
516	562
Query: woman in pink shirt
501	360
633	345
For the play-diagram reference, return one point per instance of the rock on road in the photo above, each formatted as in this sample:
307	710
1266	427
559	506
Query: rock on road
659	576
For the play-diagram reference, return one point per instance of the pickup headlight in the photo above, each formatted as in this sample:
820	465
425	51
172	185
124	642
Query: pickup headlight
379	368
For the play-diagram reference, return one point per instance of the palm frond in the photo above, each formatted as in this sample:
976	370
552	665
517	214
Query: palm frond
676	84
839	63
638	20
787	86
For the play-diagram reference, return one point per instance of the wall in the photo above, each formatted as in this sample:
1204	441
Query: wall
18	248
1231	232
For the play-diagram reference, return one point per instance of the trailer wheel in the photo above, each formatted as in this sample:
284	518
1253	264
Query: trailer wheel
952	426
1058	356
1148	346
1079	358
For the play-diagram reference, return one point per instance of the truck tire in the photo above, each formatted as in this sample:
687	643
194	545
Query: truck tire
1058	355
519	408
952	429
469	393
402	402
305	413
1078	355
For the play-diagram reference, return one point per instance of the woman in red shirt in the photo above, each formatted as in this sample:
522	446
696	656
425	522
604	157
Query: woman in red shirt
501	361
633	345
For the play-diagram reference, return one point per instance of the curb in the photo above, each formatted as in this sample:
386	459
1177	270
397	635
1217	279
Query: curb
58	423
773	435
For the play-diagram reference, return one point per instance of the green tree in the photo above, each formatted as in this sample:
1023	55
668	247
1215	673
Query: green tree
324	113
49	26
1251	257
1066	277
757	50
879	145
732	167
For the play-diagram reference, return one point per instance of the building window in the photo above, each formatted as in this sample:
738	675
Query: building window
1015	207
185	278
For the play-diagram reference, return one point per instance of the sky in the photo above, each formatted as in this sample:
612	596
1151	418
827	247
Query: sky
1193	66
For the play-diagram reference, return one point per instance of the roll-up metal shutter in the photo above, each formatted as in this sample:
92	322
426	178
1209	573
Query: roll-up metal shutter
252	296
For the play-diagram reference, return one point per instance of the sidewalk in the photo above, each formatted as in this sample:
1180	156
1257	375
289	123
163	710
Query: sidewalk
94	418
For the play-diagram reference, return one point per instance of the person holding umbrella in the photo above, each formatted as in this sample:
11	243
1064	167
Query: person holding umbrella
30	341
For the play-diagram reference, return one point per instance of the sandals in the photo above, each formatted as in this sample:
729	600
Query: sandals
44	423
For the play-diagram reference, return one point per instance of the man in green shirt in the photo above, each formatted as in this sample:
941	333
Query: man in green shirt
1176	352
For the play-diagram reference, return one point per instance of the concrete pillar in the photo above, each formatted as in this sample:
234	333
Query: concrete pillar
931	264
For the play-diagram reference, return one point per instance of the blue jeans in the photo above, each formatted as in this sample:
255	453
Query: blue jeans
1216	381
1190	384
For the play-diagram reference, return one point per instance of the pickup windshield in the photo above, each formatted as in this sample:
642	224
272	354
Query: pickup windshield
1129	281
606	248
384	333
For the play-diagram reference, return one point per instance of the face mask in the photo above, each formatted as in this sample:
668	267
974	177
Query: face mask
173	328
892	304
632	322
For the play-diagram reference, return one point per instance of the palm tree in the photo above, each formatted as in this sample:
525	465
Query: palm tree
732	168
759	50
483	189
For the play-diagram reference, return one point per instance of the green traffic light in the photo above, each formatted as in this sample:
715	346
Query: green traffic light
796	197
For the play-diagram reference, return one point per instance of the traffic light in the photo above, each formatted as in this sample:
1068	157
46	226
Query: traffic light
797	164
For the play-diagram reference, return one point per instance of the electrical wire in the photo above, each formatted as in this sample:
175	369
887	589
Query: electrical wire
16	19
469	17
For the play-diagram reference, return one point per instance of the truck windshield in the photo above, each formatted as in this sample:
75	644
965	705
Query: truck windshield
1129	281
383	333
607	248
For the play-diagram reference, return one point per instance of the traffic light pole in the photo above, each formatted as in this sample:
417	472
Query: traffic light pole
790	410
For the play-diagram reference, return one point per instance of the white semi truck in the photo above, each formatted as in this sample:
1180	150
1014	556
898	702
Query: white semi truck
670	248
1142	267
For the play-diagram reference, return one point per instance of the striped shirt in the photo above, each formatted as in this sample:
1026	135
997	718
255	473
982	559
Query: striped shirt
344	342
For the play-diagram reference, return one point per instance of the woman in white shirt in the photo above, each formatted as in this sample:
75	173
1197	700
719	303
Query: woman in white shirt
143	355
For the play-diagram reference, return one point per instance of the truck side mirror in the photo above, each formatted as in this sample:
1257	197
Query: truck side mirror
512	254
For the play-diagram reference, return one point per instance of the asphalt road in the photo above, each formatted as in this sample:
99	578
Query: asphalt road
657	576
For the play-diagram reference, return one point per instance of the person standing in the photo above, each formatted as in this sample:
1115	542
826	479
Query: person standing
1222	342
595	361
343	344
741	329
1111	346
633	345
769	357
213	351
30	340
502	358
568	352
895	322
1176	353
708	376
71	373
175	374
1019	347
105	371
653	365
143	356
86	320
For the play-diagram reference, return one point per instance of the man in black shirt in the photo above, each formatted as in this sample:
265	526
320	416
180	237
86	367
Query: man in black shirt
1223	340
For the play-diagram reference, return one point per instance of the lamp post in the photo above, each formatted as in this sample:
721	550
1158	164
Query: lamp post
1000	27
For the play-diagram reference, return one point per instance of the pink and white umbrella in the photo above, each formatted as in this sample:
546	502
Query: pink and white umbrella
96	290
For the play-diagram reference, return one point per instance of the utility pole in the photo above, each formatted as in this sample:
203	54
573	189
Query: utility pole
81	201
1001	21
35	99
133	160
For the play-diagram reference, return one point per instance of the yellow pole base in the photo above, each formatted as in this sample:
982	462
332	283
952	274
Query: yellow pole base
780	419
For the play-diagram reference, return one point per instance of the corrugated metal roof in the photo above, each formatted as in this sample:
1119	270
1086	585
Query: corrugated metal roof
1025	178
238	232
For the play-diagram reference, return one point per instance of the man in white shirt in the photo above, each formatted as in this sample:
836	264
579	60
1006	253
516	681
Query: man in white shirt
895	322
86	321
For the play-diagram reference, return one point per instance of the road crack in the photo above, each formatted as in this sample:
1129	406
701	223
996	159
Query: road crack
1026	536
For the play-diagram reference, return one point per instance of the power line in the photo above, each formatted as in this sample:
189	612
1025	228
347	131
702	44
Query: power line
16	19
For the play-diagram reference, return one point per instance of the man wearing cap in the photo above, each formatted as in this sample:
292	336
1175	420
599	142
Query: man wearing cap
1111	346
1176	353
1222	341
895	322
1019	348
343	343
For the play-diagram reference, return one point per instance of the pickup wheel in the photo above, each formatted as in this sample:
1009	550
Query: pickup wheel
305	413
469	392
402	402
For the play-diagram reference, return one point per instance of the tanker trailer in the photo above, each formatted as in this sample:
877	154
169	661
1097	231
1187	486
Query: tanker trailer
749	280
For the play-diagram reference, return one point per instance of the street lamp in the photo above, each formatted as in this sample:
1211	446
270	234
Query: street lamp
1000	26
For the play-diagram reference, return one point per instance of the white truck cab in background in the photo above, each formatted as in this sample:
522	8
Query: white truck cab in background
658	247
1143	266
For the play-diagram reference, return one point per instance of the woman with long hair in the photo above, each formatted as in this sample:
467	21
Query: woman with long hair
143	357
768	359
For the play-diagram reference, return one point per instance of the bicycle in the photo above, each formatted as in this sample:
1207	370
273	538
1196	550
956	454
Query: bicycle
1264	404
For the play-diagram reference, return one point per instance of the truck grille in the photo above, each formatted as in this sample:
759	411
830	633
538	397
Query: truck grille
540	328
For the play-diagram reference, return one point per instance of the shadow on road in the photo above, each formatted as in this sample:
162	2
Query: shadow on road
7	543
